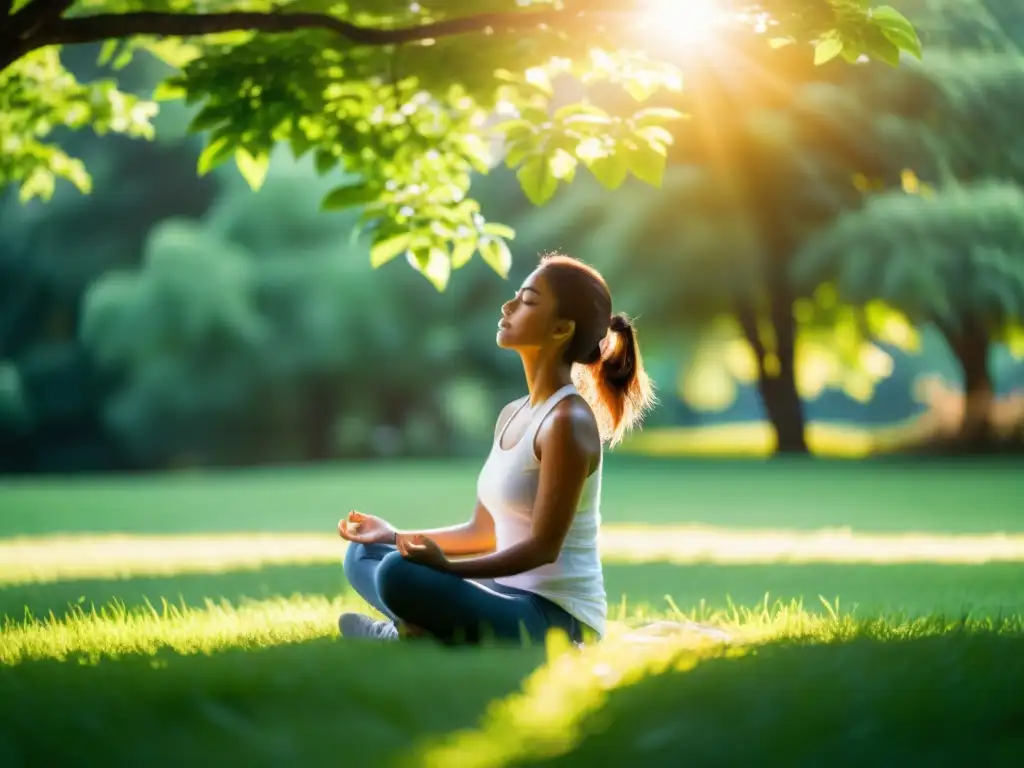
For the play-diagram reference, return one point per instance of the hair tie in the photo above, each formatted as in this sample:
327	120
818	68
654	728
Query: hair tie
619	323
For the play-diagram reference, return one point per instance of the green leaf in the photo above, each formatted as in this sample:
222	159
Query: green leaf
207	118
324	161
880	47
610	170
574	110
496	254
462	252
517	152
107	52
655	134
655	116
214	154
124	58
851	55
253	169
887	17
503	231
168	90
562	165
646	162
300	143
79	176
434	265
540	80
349	195
40	183
535	177
641	86
384	251
827	50
897	28
517	129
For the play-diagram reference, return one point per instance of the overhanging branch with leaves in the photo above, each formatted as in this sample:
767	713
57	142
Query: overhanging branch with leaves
29	29
410	141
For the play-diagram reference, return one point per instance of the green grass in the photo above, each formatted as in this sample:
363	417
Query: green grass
869	496
874	610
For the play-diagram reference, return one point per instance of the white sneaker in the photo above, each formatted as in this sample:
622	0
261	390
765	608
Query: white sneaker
359	626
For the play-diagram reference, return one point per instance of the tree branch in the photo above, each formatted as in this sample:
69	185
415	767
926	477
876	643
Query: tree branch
36	14
100	27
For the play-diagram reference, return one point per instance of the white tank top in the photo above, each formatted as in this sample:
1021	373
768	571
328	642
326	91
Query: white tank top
507	486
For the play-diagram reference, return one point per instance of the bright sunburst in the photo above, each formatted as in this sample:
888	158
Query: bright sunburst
685	22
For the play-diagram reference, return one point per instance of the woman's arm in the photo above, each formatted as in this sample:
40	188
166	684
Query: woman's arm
474	537
567	443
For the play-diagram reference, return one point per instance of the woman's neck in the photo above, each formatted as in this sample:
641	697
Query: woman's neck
545	375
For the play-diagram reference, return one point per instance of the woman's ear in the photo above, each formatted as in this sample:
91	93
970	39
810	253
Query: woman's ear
564	329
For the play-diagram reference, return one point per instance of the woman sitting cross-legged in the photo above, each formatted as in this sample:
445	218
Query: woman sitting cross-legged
527	561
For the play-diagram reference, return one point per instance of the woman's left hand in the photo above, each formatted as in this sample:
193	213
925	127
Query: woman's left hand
421	549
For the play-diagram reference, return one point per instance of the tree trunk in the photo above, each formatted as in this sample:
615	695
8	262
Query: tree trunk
777	388
784	398
970	345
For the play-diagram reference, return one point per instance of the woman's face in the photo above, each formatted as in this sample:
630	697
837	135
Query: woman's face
529	319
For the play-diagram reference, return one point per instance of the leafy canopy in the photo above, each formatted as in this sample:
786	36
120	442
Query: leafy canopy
409	98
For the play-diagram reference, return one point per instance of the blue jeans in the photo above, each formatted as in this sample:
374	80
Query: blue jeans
452	609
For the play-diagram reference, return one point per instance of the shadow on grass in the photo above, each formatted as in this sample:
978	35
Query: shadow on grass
952	700
981	590
324	702
942	701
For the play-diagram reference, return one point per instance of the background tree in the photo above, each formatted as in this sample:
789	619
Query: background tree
953	259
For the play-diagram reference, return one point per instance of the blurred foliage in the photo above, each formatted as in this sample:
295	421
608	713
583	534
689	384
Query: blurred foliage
949	258
256	334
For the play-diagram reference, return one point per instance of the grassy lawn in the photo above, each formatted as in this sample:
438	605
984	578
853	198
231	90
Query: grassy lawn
874	610
869	496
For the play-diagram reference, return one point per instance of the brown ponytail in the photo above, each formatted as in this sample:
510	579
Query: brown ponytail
616	385
603	351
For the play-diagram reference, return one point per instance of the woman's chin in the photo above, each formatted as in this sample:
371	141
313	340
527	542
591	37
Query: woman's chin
501	338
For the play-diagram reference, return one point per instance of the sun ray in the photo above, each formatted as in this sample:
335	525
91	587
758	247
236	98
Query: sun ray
682	22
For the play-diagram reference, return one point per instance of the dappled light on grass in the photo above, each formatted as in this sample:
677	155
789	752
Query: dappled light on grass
757	439
55	558
51	558
544	719
566	700
703	544
114	631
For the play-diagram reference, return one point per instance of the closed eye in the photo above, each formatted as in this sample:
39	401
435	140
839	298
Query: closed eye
519	295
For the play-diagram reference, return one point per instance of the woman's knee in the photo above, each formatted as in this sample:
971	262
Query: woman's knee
360	554
396	580
353	554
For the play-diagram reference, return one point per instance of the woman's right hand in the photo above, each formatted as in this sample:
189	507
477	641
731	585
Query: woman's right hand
365	529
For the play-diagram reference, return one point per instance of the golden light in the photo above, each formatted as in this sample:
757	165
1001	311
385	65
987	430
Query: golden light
682	22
